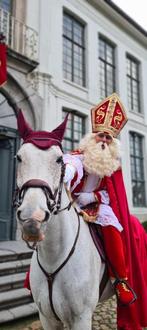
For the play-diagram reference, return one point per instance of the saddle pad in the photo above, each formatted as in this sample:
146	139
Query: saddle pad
95	232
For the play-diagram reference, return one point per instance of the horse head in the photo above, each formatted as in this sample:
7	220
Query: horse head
40	174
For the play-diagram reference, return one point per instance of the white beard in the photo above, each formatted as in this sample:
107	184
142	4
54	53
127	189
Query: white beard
99	158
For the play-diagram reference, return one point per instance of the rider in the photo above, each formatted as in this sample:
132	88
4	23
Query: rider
89	174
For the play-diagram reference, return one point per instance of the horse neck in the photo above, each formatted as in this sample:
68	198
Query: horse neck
59	236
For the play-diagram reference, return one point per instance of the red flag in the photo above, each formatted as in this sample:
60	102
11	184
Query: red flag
3	69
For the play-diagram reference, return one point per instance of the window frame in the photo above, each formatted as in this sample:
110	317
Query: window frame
73	43
72	140
107	43
134	161
130	81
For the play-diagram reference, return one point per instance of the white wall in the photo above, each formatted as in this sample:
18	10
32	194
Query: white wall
47	17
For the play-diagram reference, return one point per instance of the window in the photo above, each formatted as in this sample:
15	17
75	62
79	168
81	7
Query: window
137	169
6	5
107	67
133	84
73	50
6	19
75	129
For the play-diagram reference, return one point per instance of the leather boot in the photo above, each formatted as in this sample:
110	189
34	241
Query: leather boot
124	292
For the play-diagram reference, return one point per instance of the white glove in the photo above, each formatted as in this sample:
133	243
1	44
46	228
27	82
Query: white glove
69	175
85	198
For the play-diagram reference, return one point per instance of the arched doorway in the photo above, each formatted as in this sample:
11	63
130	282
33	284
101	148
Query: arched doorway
9	142
16	93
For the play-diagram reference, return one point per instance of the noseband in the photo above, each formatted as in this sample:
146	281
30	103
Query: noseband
55	197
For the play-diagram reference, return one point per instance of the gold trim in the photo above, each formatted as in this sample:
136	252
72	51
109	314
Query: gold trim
86	217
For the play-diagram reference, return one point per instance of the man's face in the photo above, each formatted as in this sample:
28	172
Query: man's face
101	154
103	137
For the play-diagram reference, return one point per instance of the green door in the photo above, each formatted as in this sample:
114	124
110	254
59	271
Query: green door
8	146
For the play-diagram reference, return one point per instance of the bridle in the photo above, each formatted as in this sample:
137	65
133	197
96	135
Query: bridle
53	200
55	197
54	207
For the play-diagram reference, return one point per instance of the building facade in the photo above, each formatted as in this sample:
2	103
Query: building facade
66	56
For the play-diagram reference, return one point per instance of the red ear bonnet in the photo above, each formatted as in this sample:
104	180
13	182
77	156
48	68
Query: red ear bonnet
23	127
41	139
60	130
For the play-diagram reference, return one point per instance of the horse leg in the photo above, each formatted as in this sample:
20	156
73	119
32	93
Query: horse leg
48	324
84	322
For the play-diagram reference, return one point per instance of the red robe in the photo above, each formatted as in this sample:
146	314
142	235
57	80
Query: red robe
132	317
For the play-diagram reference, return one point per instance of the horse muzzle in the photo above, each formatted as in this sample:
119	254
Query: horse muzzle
31	220
31	230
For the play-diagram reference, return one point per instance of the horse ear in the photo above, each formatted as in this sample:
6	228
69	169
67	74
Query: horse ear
23	127
60	130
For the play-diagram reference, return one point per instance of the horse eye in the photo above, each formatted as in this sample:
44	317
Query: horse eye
19	158
59	160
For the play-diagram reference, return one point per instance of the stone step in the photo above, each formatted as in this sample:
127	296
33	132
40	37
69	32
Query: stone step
15	301
14	267
18	312
8	256
14	298
12	281
14	250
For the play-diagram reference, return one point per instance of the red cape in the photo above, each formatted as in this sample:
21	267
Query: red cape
132	317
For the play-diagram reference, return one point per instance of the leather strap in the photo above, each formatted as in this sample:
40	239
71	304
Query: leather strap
51	276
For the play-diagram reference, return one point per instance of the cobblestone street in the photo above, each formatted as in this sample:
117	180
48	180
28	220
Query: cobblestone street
104	317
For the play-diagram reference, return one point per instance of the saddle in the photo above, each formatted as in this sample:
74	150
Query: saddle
95	232
89	214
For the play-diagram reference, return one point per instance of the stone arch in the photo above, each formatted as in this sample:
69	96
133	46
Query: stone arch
18	92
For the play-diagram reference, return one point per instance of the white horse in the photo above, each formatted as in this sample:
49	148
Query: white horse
65	248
